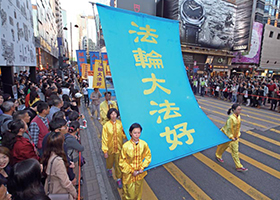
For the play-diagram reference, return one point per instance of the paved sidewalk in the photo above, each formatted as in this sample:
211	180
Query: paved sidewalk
96	184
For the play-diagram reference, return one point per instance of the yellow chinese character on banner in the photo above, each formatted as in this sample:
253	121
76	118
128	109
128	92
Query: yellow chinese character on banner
167	110
147	32
155	82
184	132
152	59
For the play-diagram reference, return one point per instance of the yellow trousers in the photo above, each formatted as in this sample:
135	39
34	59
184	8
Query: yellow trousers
111	160
133	191
233	145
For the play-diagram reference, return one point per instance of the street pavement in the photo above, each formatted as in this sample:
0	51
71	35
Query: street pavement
200	176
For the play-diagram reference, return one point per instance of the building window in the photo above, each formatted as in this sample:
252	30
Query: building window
260	5
278	36
259	18
266	8
271	34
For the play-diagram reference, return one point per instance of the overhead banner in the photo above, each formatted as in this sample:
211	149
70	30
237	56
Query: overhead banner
98	78
252	56
16	34
85	70
94	55
81	58
152	87
223	24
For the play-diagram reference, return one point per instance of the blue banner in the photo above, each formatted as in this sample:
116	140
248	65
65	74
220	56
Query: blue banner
152	87
81	58
105	57
94	55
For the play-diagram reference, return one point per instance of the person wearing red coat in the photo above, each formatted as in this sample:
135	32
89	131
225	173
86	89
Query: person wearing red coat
21	147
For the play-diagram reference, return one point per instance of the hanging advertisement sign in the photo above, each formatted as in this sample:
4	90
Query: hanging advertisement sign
253	56
215	24
142	6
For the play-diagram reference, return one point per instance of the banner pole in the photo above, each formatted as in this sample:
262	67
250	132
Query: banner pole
98	44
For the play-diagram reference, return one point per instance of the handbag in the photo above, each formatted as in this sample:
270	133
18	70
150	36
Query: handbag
55	196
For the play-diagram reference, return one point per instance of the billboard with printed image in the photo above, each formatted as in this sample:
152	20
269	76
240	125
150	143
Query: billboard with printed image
16	34
252	56
142	6
219	24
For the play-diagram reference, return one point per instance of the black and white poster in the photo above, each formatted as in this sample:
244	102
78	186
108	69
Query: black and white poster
219	24
17	47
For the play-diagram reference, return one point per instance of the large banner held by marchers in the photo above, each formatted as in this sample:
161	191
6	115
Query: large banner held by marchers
152	87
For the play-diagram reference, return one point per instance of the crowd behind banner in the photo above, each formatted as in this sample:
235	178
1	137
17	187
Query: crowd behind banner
254	92
40	147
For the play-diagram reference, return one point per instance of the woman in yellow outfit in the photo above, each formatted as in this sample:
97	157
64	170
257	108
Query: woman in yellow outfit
232	130
135	157
112	141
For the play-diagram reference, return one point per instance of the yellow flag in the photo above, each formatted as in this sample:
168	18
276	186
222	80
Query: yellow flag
85	69
106	68
98	78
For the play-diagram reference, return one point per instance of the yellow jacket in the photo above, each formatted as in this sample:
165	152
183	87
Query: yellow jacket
112	137
133	158
104	108
232	127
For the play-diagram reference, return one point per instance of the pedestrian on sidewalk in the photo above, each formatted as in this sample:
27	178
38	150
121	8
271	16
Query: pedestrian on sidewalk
135	157
95	102
55	167
85	93
232	131
73	145
112	141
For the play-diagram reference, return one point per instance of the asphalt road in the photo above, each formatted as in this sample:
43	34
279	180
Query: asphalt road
200	176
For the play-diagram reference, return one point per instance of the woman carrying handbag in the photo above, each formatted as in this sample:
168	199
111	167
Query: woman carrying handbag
57	184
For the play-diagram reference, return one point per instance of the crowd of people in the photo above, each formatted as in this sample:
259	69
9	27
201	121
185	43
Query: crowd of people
254	92
40	137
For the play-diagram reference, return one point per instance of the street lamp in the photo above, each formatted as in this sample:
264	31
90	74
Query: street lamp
65	28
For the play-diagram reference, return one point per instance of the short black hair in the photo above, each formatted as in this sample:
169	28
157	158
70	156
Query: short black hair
58	115
73	126
57	123
19	114
36	103
110	112
108	92
133	126
42	106
66	104
65	97
73	116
